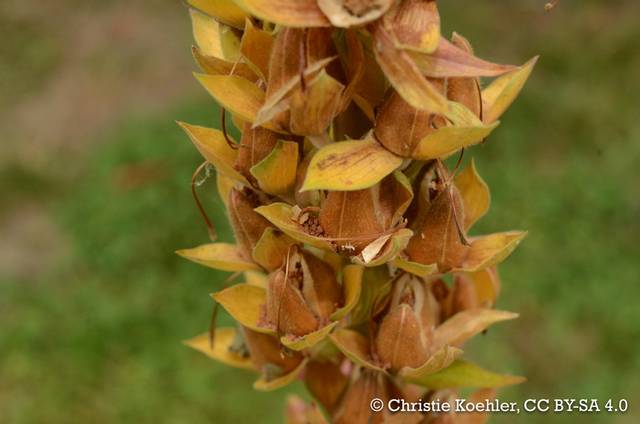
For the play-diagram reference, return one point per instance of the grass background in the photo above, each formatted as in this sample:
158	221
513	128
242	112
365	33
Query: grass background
95	198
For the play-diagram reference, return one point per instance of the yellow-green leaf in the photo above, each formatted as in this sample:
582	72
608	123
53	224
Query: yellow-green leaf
445	141
265	385
223	10
350	165
308	340
214	148
439	360
354	346
244	303
490	250
416	268
222	256
474	192
270	251
351	289
236	94
466	324
221	348
290	13
499	95
282	216
463	374
276	173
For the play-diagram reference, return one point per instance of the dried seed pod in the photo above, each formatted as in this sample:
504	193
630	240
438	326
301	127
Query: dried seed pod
265	352
416	25
326	382
465	90
438	226
405	332
399	127
301	302
305	198
247	225
255	145
354	406
356	218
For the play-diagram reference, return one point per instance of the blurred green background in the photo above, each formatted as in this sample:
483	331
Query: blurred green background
95	199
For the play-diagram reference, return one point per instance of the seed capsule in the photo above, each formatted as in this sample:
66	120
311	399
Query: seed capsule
325	382
405	332
355	407
438	227
247	225
265	352
255	145
301	302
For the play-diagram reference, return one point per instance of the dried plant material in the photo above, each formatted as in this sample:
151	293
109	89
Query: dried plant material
222	256
276	173
271	250
255	47
290	13
247	225
221	350
416	25
325	382
215	66
450	60
499	95
224	11
466	324
463	374
475	194
213	147
347	13
244	303
350	165
206	33
347	219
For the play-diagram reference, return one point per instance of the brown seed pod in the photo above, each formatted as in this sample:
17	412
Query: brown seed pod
300	303
325	382
405	333
247	225
255	145
354	407
465	90
438	232
265	351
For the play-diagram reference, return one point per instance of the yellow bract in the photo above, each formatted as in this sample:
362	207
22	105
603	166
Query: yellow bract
220	351
499	95
276	174
244	303
223	10
222	256
463	374
350	165
475	194
236	94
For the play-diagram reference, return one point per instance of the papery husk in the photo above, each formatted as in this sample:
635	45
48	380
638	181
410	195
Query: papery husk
255	145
